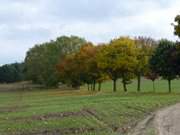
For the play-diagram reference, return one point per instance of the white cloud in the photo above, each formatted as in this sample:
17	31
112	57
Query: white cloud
25	23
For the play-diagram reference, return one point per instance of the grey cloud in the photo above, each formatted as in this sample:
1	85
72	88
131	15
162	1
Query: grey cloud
24	23
18	33
101	10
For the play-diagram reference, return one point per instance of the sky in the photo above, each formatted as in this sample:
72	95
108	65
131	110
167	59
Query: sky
24	23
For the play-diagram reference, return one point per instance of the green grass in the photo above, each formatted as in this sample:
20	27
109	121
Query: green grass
80	112
146	86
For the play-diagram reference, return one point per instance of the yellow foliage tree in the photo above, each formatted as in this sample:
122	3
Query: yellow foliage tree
118	60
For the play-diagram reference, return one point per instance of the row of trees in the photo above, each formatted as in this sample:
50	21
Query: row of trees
74	61
123	58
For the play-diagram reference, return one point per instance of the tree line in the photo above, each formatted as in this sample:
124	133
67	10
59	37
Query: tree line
123	58
75	61
10	73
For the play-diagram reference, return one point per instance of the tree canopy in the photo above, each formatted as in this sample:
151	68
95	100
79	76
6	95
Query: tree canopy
12	73
41	60
118	59
163	60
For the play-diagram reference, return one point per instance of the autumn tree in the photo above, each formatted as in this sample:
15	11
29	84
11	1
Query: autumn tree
69	70
145	47
90	72
82	67
101	76
127	58
163	62
88	65
107	61
41	60
118	60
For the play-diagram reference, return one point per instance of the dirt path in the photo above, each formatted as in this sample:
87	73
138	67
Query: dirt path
167	121
163	122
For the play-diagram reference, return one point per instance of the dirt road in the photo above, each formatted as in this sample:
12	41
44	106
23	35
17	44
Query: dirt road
167	121
164	122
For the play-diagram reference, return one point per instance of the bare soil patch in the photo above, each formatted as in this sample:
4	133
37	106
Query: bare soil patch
65	131
163	122
58	115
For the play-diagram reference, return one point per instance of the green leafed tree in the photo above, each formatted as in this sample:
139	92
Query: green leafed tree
10	73
41	60
163	60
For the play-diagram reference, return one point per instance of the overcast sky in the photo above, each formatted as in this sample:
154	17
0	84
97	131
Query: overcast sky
24	23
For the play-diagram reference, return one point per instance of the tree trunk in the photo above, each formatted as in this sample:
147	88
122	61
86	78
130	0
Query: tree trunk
169	83
94	85
154	89
88	86
114	85
99	86
124	83
91	87
139	82
124	86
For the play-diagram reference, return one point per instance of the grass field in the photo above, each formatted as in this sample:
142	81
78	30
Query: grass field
147	86
55	112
